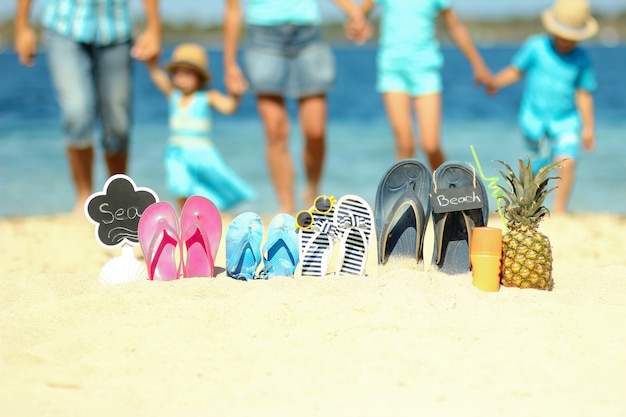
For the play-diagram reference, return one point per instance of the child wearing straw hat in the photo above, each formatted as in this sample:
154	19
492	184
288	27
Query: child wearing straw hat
557	110
192	162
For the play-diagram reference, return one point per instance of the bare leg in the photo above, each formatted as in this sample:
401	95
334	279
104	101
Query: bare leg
276	124
428	109
398	106
565	186
81	166
116	163
313	117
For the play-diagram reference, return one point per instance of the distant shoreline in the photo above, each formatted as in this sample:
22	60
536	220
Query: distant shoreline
485	32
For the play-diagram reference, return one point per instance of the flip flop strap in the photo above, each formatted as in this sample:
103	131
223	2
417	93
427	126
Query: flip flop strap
155	254
410	199
325	226
342	246
197	229
307	248
251	269
352	220
268	265
469	228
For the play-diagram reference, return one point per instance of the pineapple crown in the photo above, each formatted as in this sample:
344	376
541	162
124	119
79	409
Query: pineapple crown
524	196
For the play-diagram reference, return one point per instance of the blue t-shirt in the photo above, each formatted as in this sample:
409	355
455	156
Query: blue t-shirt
551	79
407	34
282	12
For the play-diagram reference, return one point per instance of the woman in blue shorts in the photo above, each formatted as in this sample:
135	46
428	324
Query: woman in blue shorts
285	57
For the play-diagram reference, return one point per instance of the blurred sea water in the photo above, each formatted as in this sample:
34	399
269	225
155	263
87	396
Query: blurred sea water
34	177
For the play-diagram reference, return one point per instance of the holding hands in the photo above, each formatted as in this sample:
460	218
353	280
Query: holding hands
234	80
358	29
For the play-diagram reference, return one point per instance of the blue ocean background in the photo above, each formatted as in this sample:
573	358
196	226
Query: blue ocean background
34	176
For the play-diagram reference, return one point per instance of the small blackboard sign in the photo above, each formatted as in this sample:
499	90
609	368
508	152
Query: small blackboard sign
455	199
116	210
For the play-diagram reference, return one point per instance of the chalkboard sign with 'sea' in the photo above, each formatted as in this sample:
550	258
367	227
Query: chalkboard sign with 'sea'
116	210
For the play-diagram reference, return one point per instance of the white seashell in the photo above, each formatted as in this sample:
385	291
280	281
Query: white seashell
123	269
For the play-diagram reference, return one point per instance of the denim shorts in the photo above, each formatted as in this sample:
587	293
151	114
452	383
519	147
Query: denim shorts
288	61
411	81
543	151
92	83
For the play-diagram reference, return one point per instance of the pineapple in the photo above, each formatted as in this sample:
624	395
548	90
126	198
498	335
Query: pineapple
526	252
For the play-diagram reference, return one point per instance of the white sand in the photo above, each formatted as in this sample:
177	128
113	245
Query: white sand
399	342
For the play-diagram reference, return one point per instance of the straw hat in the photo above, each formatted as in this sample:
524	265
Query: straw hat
570	19
193	56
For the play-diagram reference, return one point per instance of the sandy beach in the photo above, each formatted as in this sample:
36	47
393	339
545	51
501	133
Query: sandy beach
402	341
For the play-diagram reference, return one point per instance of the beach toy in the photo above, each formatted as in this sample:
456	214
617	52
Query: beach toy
485	256
459	203
316	236
354	222
402	209
201	227
116	212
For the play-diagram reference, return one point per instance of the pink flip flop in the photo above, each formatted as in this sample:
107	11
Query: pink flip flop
160	243
201	225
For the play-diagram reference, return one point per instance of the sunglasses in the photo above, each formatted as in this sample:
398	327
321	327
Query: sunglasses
323	204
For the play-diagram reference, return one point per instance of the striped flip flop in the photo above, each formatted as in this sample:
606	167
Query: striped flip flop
354	221
316	235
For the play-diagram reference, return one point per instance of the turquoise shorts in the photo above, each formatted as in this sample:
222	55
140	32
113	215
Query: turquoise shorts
411	81
543	151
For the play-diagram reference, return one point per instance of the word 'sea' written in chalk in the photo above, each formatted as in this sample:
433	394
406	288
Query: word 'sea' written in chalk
117	209
121	214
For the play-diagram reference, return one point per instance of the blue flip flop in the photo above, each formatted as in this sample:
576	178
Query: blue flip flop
280	251
243	246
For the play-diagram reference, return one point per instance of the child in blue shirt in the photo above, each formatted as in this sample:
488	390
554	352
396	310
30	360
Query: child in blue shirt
556	111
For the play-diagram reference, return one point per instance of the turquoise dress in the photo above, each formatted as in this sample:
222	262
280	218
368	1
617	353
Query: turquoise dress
193	164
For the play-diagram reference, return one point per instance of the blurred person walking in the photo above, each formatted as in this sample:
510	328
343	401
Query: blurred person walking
89	47
286	56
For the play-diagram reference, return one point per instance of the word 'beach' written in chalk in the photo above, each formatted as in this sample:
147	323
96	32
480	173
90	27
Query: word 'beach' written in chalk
455	199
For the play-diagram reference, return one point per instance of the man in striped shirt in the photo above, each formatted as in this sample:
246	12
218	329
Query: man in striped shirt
90	44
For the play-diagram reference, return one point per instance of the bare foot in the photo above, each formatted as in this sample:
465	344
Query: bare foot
78	212
79	207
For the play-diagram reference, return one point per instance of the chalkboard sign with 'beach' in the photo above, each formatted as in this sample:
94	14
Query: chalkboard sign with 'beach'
116	210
